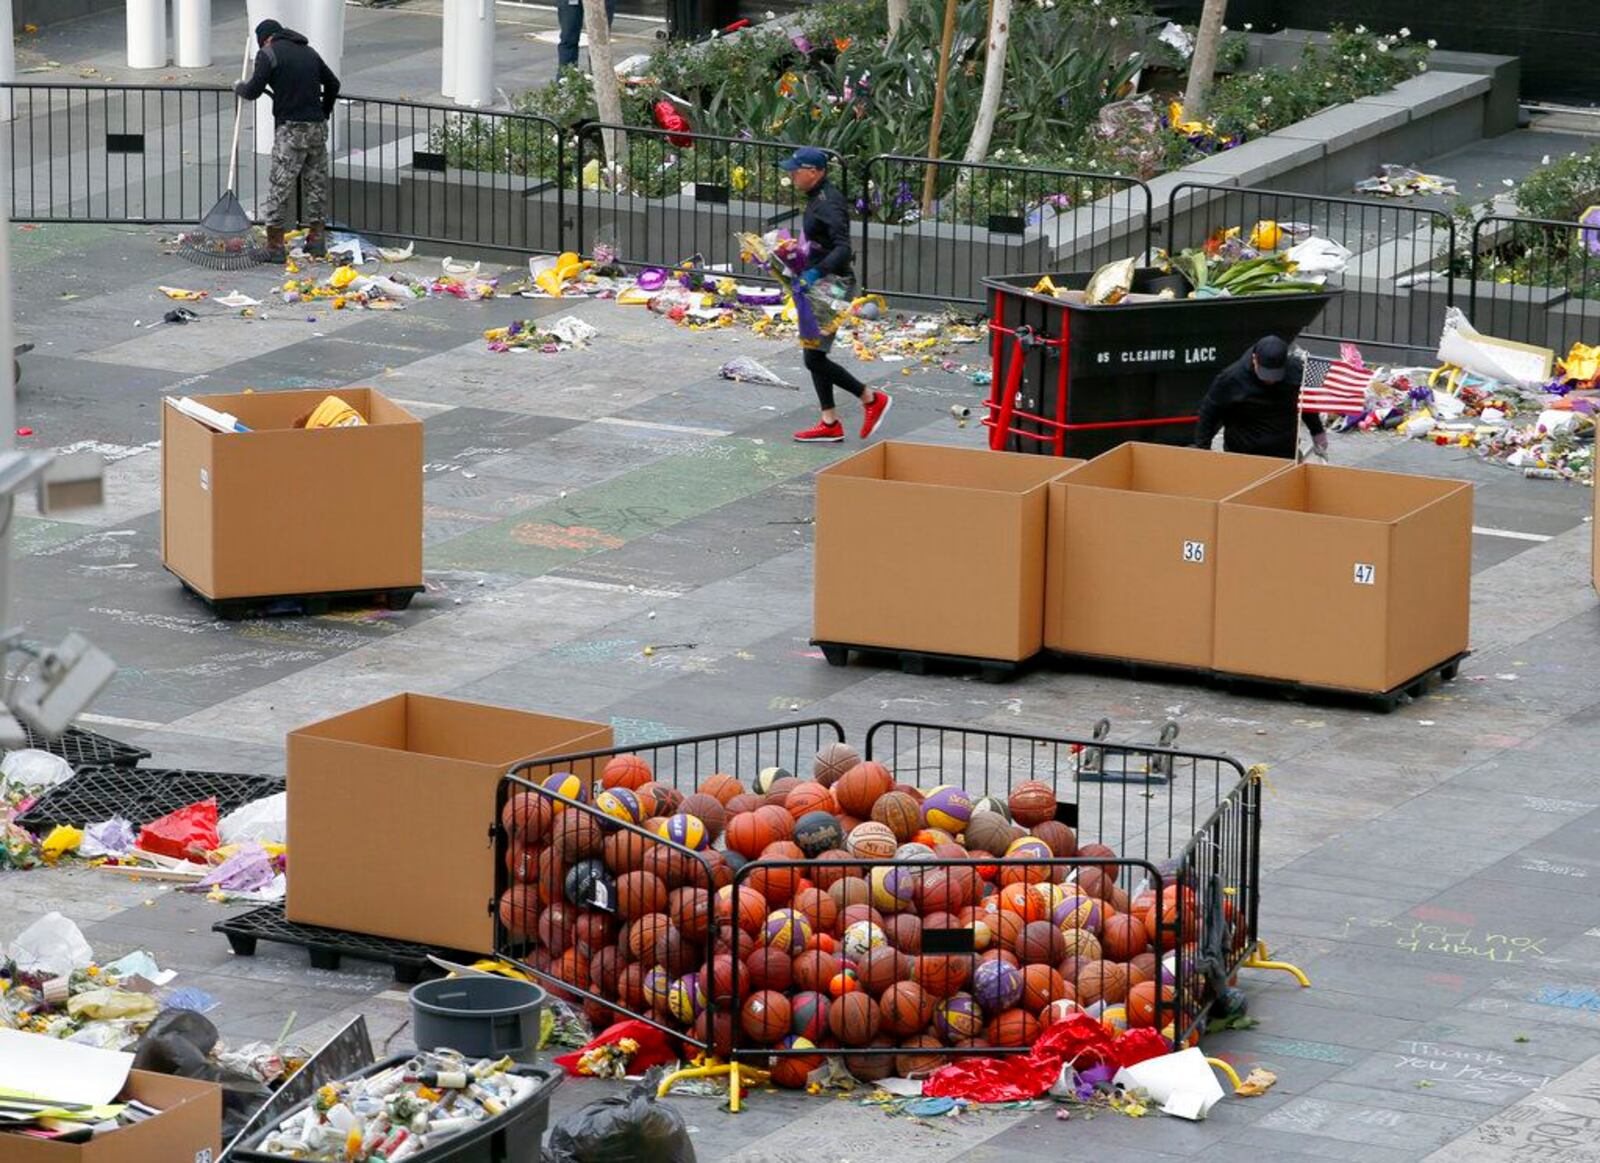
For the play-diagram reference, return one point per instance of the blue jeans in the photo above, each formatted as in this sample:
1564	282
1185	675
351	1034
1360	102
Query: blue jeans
570	13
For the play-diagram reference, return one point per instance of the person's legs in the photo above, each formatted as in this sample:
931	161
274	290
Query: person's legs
315	174
570	15
287	158
829	431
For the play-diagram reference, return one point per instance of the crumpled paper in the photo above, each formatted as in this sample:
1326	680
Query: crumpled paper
139	964
745	370
571	329
112	1004
52	947
113	837
248	870
32	768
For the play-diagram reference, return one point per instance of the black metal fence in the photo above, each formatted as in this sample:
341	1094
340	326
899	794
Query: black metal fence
1535	280
934	230
1397	281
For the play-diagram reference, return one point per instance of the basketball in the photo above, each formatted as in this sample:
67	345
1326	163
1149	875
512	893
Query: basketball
860	937
750	913
566	786
592	931
792	1070
850	890
990	832
861	787
995	804
549	874
818	832
873	1067
899	813
1020	867
872	841
769	968
1022	900
1013	1027
572	968
1042	985
627	771
620	804
1060	1010
833	762
714	1031
942	843
1114	1019
1041	941
644	937
813	969
708	810
948	808
906	1009
766	1016
1101	852
777	820
686	830
522	863
1141	1004
911	850
946	890
1105	981
519	911
743	802
630	986
777	884
1032	802
805	798
1124	937
766	777
1081	943
665	797
690	910
957	1018
1142	967
1079	911
724	787
778	797
748	834
672	866
526	817
915	1065
942	976
854	1019
810	1016
893	888
843	982
787	929
1063	840
657	988
996	985
589	885
911	790
818	908
576	835
904	931
879	968
605	970
1095	881
625	851
719	981
686	998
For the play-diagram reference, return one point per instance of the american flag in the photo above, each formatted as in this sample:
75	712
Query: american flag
1334	385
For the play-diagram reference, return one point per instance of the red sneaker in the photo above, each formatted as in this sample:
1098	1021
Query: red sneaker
874	412
822	434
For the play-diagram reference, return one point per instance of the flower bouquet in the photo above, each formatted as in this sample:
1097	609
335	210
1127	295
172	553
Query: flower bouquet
785	257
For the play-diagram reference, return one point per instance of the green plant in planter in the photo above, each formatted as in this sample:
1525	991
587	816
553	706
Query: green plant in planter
1564	189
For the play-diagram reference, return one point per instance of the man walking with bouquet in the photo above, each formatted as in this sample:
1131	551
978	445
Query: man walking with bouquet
826	229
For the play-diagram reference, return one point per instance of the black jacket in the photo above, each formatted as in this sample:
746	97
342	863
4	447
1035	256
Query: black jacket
303	86
1256	418
827	229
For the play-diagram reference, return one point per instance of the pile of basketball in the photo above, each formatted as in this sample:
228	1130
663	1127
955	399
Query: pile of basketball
826	950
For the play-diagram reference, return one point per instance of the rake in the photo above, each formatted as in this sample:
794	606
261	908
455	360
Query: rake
223	241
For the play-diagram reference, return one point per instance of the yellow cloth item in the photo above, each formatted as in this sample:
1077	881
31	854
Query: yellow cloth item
1582	363
1044	287
182	295
335	413
1266	235
112	1003
62	839
342	278
550	282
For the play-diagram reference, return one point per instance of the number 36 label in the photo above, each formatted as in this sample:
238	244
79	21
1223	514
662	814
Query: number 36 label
1366	575
1194	551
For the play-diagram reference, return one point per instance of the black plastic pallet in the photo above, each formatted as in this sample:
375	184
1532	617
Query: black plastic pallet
308	605
924	661
1385	701
141	794
84	749
328	947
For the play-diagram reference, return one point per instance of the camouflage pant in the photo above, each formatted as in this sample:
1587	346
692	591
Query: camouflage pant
299	149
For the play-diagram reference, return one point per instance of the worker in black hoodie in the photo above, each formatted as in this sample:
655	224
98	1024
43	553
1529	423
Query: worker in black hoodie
304	91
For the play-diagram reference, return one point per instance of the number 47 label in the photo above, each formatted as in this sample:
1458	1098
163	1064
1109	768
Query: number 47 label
1366	575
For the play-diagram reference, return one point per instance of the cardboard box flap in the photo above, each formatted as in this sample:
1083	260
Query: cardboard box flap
451	729
938	466
266	411
1169	470
1348	494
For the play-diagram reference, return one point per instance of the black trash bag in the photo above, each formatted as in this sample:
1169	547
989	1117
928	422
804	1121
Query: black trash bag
178	1042
626	1128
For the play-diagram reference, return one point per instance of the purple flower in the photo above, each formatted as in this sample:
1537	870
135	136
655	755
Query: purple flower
801	43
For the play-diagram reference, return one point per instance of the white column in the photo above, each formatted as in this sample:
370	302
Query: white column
191	37
449	33
324	28
290	14
475	54
147	34
8	58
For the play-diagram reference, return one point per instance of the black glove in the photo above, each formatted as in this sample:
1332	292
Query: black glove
238	88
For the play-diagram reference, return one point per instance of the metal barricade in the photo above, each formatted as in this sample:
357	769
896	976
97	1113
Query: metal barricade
681	199
1399	278
1535	280
989	220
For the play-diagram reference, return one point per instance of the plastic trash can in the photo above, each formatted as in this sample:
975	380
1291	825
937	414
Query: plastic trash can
481	1017
512	1137
1074	380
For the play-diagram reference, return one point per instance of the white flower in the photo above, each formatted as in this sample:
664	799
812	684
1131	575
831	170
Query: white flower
1432	43
1327	84
1112	22
1545	160
1362	58
1422	66
1383	46
1248	26
1267	100
1361	29
1507	182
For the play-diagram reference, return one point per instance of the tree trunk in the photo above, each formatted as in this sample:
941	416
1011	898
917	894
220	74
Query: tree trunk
607	90
1204	61
897	14
931	178
994	79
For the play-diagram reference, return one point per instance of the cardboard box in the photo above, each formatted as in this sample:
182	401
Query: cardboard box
1594	543
934	549
390	811
188	1129
1132	562
1343	578
282	510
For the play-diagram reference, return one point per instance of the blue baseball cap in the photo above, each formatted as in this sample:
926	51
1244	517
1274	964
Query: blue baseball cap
806	157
